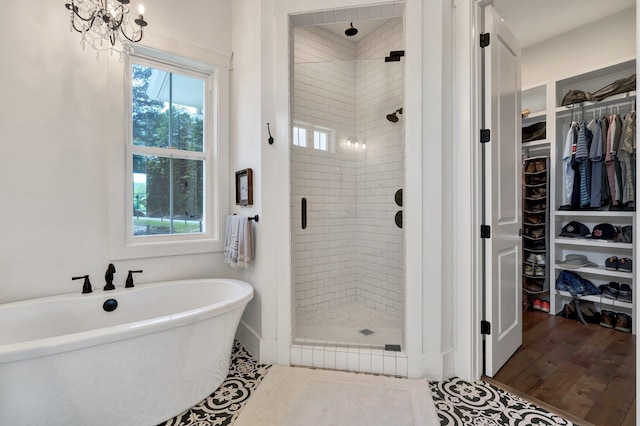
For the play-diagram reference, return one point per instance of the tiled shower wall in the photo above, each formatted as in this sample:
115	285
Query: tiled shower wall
379	170
351	249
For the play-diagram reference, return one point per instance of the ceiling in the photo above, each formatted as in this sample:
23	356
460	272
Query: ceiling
531	21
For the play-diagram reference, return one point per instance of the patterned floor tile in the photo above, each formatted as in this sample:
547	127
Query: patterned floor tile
463	403
222	407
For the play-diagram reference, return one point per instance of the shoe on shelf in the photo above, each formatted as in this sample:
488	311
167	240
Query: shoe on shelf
623	322
531	167
537	233
625	265
607	318
537	304
569	311
545	306
533	285
541	165
624	293
611	290
528	270
611	264
540	259
538	271
531	258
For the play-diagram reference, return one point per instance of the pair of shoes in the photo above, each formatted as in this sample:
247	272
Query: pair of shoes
536	258
616	320
536	220
537	233
537	208
541	305
535	286
538	193
616	291
614	264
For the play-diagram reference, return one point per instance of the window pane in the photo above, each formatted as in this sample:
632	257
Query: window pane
167	195
168	109
300	136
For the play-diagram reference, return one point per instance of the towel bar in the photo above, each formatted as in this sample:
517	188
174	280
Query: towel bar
256	217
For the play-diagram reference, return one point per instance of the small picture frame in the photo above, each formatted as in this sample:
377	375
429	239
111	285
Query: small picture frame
244	187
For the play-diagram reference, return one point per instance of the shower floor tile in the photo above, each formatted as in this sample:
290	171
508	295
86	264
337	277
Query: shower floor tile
343	324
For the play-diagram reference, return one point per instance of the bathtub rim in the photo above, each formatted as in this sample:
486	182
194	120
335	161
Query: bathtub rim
20	351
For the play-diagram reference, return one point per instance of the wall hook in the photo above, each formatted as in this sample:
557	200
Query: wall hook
270	137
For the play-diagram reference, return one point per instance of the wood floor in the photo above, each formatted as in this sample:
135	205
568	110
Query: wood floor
587	371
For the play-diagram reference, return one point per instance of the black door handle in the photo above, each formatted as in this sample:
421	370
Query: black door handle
304	213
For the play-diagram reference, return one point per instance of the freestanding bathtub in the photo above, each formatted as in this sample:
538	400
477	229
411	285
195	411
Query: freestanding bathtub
64	360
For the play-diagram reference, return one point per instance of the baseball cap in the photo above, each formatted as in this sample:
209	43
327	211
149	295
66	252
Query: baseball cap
604	231
574	229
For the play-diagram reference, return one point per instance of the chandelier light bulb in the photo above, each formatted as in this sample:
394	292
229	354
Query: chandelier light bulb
356	145
364	146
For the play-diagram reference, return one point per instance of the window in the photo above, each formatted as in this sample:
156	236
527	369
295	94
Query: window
175	170
320	140
300	136
324	139
168	150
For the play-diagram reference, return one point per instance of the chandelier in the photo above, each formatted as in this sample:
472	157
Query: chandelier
105	25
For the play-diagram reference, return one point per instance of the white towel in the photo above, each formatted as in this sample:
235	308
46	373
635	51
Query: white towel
238	241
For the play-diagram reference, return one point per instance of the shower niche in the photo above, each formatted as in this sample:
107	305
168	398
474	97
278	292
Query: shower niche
347	163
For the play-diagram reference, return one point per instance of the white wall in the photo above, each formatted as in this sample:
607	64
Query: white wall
605	42
61	112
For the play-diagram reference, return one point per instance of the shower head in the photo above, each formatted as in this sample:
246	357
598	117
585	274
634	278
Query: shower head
393	117
351	31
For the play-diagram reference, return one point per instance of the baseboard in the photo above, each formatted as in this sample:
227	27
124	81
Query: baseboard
438	365
249	339
265	351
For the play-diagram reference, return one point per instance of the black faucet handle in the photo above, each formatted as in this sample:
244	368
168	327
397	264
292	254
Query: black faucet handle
129	282
86	287
108	277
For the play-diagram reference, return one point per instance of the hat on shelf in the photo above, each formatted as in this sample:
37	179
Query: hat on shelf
574	229
574	261
604	231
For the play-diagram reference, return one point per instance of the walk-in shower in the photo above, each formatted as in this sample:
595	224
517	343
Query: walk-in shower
347	164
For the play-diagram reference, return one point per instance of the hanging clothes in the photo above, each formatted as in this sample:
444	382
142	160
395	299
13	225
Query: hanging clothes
568	171
613	135
606	191
626	155
584	166
595	156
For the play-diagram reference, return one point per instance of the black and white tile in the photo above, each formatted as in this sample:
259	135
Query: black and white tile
223	406
462	403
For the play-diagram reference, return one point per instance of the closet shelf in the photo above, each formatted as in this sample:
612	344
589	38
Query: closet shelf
598	271
595	213
598	299
589	242
539	142
535	114
610	101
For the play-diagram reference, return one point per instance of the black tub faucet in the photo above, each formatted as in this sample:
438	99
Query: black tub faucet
129	282
86	287
108	277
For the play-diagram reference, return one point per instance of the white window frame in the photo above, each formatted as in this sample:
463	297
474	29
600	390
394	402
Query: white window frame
123	244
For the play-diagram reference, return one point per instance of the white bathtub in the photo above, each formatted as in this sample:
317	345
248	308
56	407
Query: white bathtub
64	360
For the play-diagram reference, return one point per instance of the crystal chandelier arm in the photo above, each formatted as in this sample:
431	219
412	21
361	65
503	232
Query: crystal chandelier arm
129	38
76	12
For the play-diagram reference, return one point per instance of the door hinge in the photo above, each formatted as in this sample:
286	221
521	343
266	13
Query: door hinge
484	39
485	327
485	135
485	231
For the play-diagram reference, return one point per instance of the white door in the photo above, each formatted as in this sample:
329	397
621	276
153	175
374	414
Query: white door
502	201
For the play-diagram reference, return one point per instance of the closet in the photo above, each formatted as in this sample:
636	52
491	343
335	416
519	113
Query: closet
598	260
